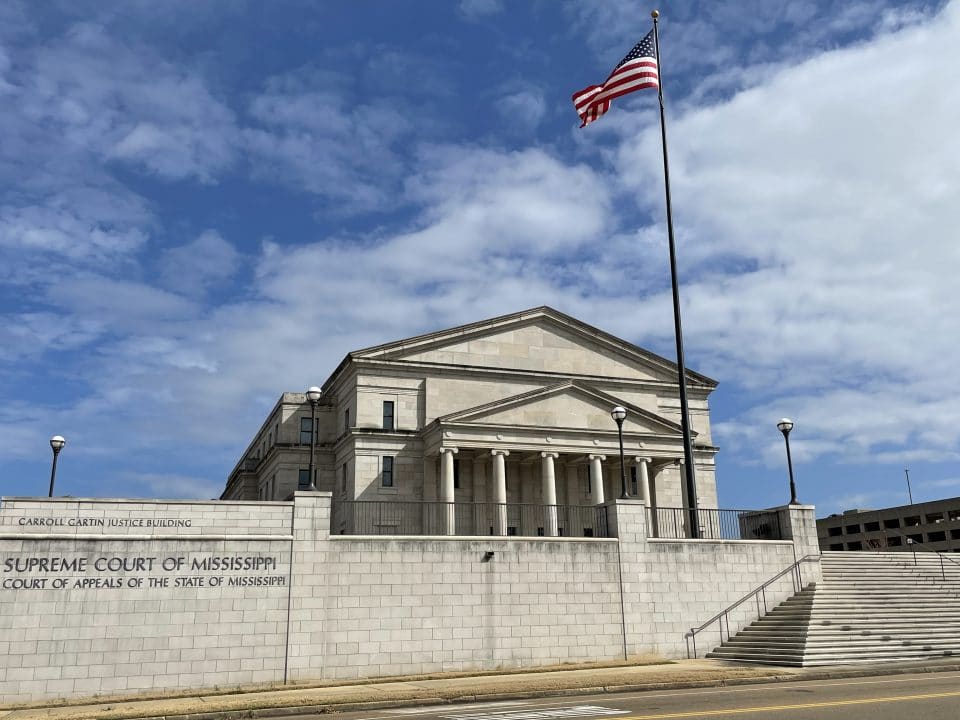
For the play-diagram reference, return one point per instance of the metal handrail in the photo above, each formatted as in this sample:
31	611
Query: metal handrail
911	541
724	615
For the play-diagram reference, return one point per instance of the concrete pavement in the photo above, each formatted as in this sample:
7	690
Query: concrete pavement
278	700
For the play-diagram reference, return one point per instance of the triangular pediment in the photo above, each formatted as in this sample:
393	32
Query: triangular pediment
566	405
541	340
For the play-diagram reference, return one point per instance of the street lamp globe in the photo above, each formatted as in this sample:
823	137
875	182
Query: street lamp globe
785	425
313	393
619	413
57	442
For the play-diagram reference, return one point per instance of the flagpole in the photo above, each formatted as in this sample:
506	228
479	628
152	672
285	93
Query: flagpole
684	409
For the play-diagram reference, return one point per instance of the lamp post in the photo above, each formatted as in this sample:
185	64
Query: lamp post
313	395
785	426
906	471
56	444
618	414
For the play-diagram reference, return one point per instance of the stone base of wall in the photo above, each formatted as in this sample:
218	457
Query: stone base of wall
107	597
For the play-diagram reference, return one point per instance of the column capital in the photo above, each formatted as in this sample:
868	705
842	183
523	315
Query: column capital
547	454
451	450
642	459
597	457
505	453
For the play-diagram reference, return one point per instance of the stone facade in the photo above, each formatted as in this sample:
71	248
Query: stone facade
112	597
515	410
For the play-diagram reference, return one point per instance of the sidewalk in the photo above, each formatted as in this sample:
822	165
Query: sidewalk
279	701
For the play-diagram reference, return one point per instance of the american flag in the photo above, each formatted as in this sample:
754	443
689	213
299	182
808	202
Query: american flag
638	70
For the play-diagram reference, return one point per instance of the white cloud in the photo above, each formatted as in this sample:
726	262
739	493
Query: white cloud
811	243
475	9
207	261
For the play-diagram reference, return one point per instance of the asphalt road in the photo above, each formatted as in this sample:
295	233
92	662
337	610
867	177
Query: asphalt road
927	696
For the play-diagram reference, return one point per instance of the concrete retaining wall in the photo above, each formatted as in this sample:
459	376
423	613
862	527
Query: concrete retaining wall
117	596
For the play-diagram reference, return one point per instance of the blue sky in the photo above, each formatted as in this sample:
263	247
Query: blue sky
205	204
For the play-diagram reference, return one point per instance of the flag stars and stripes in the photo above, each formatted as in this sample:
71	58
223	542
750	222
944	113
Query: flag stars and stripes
637	71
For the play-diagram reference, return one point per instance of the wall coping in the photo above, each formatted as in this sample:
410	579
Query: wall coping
704	541
141	501
149	538
473	538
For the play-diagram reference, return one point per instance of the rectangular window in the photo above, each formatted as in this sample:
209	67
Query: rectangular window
892	523
935	517
634	488
456	473
388	414
343	477
852	529
303	481
346	420
588	532
306	437
894	541
871	526
540	532
855	545
911	521
835	546
386	474
834	531
938	536
512	530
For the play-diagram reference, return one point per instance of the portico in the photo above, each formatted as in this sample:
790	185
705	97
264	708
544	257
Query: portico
500	427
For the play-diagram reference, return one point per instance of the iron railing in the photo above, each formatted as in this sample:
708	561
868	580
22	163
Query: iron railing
722	618
666	522
389	517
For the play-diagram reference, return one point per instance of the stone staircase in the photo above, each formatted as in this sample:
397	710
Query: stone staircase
869	607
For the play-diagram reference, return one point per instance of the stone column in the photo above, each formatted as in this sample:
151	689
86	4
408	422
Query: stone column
479	515
596	478
643	479
549	494
500	489
446	489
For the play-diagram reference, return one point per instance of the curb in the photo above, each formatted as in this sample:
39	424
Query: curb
327	708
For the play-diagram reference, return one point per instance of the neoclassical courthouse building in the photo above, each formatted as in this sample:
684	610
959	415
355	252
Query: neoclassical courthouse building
491	422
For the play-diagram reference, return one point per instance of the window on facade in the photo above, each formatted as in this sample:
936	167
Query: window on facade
834	531
852	529
916	538
871	526
935	517
895	541
837	546
303	480
540	532
386	473
346	419
560	532
634	489
588	532
306	437
953	514
343	477
456	473
911	521
270	439
938	536
388	414
512	530
955	534
855	545
892	523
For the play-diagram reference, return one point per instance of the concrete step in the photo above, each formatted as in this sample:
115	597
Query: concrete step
868	607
